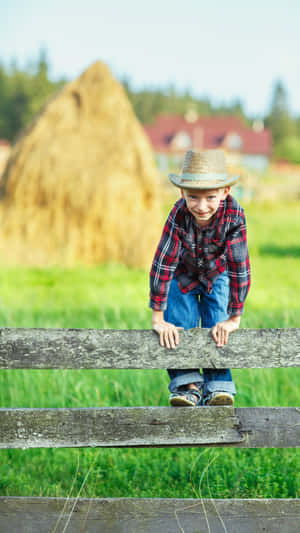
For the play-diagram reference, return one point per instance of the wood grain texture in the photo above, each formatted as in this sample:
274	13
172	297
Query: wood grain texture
87	348
272	427
140	515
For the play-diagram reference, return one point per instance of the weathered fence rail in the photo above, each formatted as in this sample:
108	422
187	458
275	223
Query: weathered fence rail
90	348
143	515
260	427
148	426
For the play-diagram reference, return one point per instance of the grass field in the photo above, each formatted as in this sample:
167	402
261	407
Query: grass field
113	296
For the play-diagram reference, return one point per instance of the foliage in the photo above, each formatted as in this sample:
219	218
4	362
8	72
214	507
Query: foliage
148	103
23	92
288	149
279	120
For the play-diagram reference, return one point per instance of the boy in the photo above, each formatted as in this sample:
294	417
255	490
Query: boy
201	271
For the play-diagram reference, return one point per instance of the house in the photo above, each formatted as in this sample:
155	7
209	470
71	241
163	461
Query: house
172	135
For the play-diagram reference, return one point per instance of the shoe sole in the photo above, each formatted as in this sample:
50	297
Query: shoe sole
221	399
180	401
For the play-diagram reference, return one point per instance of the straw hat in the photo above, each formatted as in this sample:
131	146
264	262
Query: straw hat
203	170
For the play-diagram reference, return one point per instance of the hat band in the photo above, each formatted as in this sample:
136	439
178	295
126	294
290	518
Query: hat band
204	177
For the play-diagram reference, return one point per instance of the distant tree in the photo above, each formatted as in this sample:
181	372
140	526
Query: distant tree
3	101
148	103
18	104
23	92
279	120
41	86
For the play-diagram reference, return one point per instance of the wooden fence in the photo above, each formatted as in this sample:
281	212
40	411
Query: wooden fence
270	427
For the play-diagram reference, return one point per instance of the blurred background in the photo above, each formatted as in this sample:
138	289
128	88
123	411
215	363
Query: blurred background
197	61
98	102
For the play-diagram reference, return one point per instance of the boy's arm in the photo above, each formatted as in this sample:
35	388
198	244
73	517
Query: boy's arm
163	267
168	333
165	261
240	279
238	267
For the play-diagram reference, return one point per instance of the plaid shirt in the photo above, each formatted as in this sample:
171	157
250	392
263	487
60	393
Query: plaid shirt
198	255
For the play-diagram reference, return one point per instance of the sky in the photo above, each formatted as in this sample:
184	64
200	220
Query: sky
223	49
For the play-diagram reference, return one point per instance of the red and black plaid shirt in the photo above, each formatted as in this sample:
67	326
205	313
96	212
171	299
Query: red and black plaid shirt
198	255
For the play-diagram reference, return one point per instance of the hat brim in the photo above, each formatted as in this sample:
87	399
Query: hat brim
179	181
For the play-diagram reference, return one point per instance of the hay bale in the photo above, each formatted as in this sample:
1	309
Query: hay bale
81	183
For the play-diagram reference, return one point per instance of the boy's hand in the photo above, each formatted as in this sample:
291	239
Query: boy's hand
221	330
168	333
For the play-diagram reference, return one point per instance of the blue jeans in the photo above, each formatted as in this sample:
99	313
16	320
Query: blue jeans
186	310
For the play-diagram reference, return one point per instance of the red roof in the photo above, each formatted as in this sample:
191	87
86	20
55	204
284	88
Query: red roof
208	132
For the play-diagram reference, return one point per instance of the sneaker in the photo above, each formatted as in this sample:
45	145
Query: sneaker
219	398
187	398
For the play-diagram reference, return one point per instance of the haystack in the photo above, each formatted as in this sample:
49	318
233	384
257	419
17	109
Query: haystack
81	183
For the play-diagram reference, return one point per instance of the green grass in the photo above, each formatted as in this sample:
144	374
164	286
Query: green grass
114	296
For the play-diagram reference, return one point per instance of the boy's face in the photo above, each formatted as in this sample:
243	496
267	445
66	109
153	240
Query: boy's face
203	204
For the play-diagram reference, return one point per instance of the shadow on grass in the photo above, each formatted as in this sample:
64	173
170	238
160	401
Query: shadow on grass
280	250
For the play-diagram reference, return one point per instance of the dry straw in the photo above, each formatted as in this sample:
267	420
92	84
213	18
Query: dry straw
81	184
203	170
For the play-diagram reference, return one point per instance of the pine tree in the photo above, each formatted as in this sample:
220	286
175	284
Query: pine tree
279	119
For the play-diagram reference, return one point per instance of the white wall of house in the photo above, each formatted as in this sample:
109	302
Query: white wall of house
255	162
162	161
167	162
